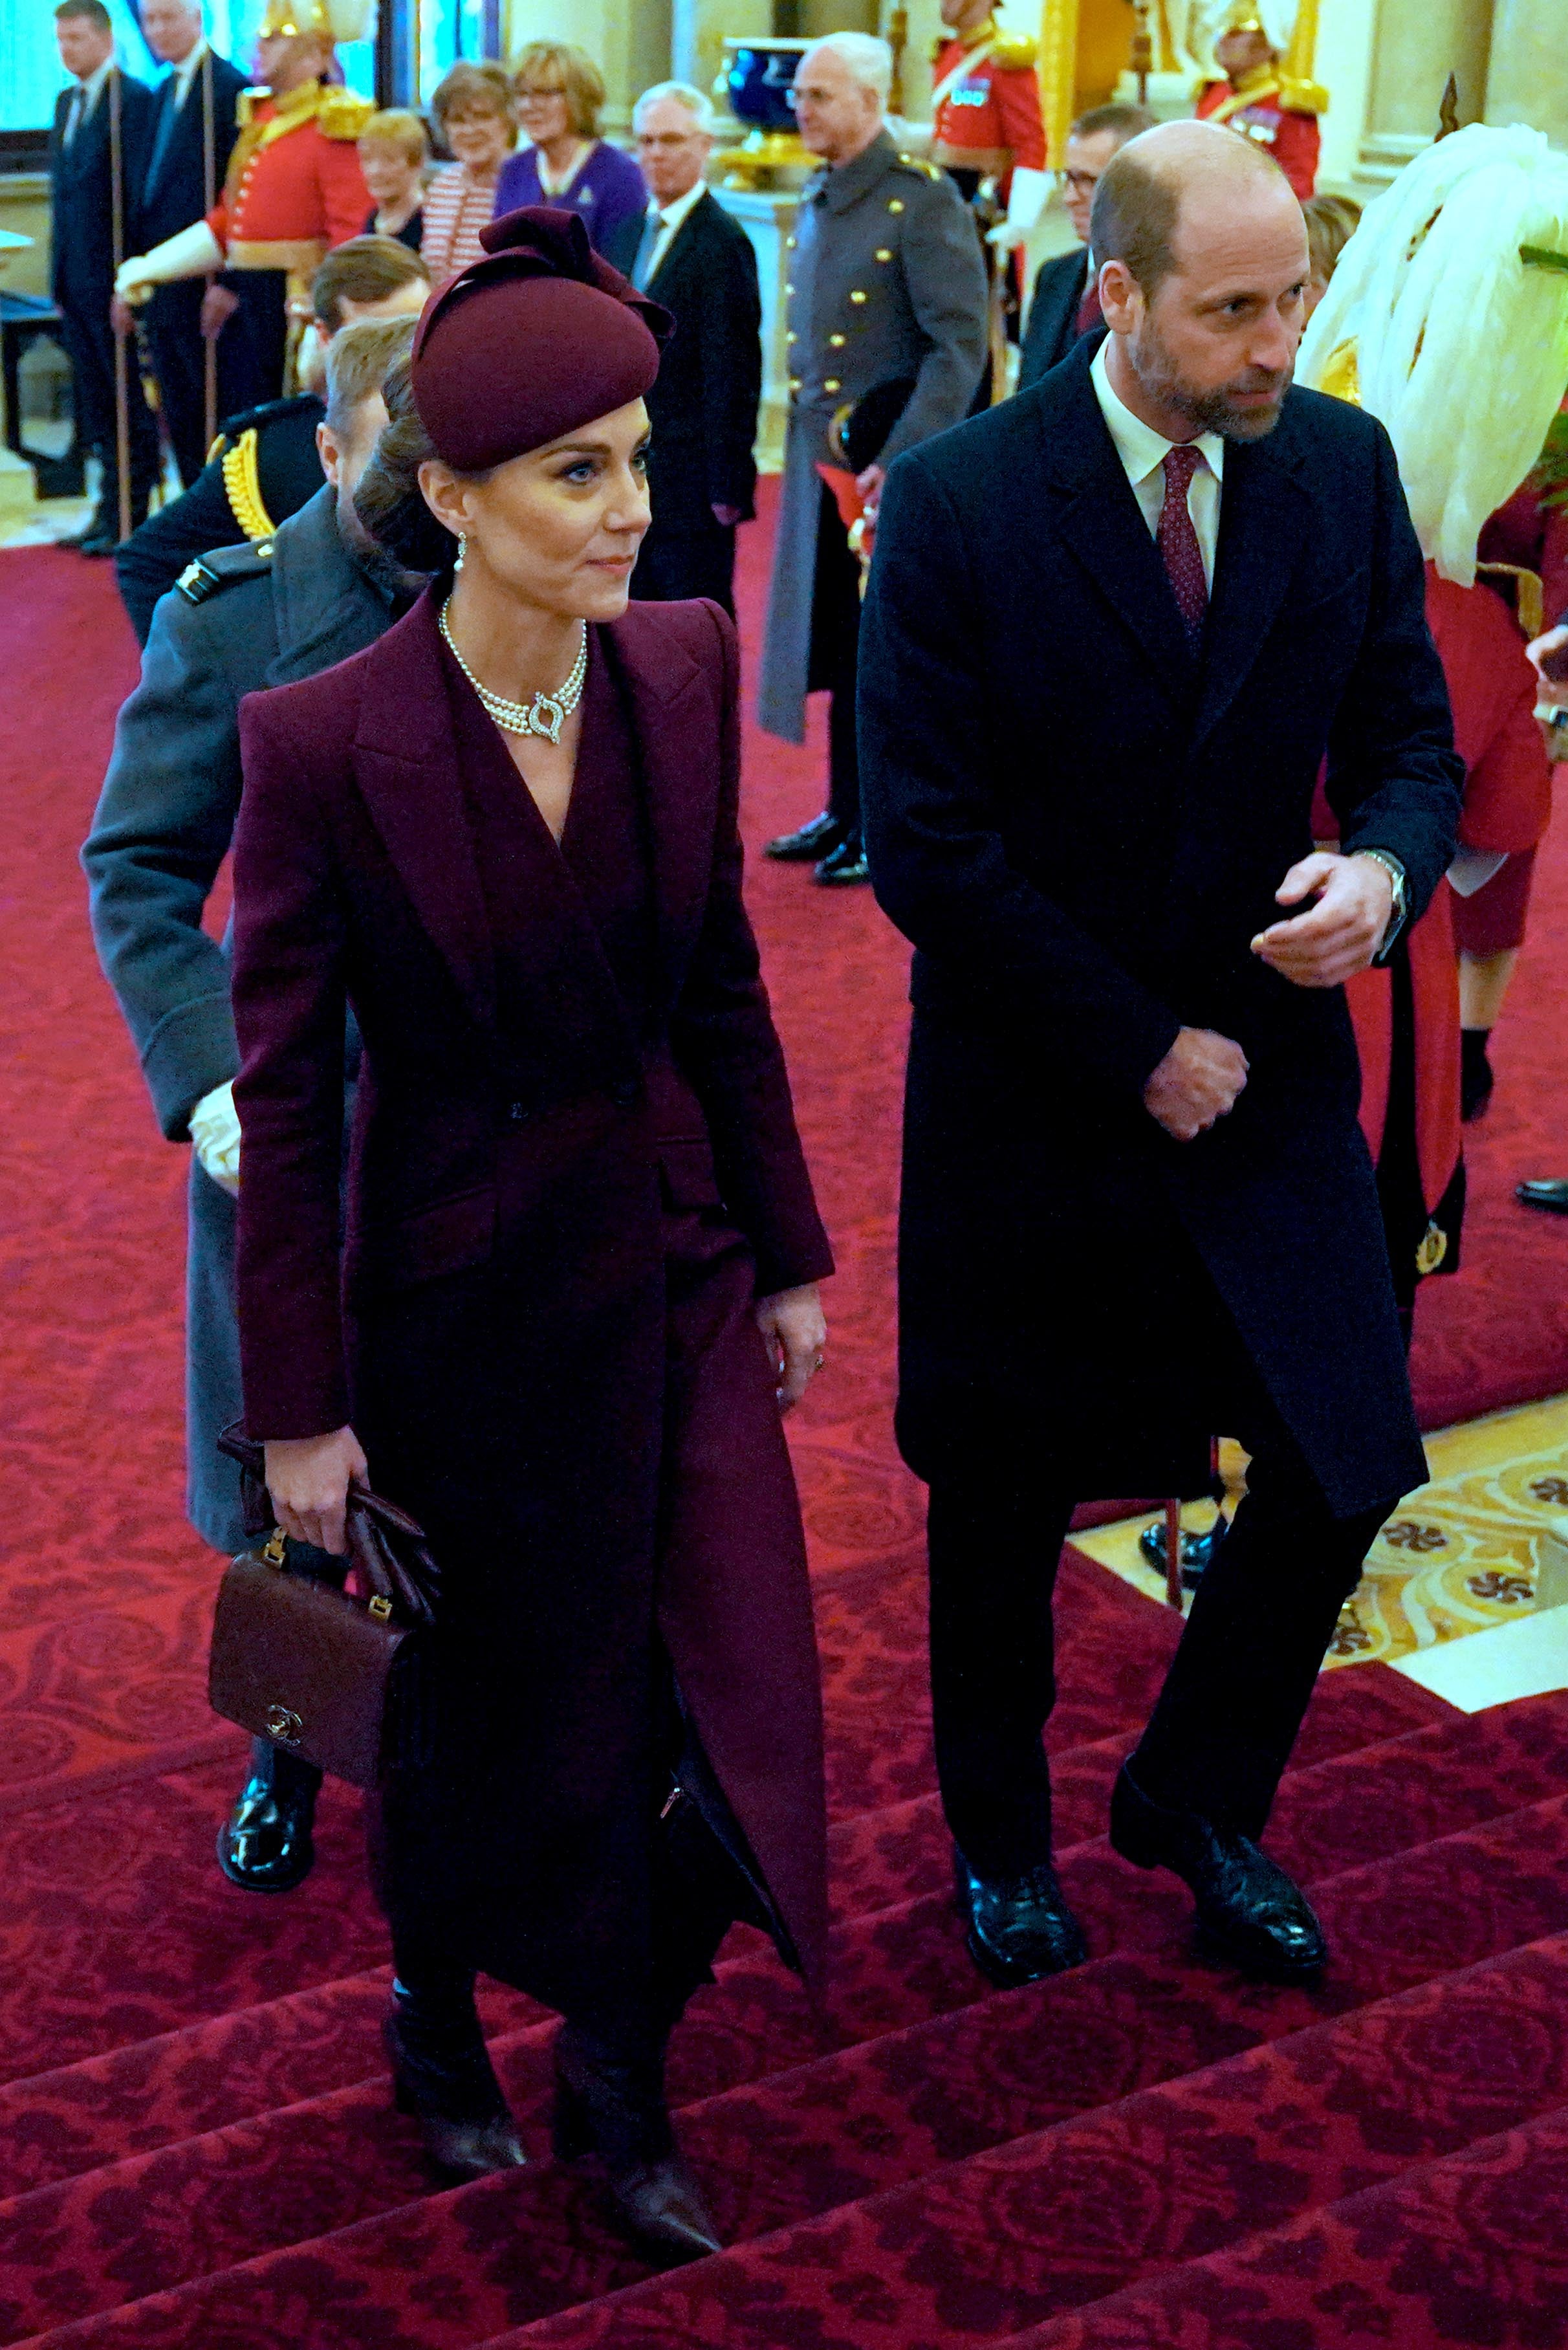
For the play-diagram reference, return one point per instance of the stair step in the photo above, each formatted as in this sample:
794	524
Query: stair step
822	2135
1468	2248
1060	2219
287	2051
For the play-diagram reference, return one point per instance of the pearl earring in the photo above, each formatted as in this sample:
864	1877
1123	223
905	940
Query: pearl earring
462	551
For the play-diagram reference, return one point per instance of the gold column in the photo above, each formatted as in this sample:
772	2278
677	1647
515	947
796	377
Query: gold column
1058	72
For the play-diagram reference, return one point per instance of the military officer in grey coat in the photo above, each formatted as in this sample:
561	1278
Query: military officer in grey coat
260	614
886	315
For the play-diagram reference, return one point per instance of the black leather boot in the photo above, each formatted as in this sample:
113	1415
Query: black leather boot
443	2076
612	2125
1249	1911
265	1843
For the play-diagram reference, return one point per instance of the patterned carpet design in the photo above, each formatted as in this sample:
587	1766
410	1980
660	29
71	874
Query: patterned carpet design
196	2147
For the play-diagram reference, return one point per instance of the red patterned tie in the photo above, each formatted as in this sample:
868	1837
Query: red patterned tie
1177	541
1090	314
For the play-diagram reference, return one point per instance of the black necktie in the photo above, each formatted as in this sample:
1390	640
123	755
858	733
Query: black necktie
76	109
168	109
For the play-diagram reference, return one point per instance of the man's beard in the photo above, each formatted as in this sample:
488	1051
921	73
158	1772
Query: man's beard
1207	411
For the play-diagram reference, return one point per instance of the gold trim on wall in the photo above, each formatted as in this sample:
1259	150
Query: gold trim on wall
1058	74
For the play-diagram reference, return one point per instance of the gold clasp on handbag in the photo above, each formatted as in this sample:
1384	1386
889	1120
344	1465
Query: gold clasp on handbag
271	1549
380	1608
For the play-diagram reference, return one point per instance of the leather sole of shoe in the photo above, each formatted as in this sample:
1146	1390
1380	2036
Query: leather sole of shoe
859	879
287	1884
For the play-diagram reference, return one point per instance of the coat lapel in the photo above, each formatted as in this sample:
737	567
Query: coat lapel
1265	514
663	686
1101	522
405	762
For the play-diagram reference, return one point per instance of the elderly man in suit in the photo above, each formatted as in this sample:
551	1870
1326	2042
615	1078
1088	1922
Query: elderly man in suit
1067	300
886	315
1115	626
698	261
194	126
98	151
243	616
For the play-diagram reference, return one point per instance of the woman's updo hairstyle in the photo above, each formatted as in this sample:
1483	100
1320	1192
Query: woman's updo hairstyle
389	500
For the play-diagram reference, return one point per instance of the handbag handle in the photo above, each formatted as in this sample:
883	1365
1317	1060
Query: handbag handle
387	1547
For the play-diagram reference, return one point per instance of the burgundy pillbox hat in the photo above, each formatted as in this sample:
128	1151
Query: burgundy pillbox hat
538	337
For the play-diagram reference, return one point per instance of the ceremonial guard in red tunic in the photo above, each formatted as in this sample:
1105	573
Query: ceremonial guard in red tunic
986	121
293	190
1257	94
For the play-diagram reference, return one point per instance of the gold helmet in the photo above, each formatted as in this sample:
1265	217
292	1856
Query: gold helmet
320	20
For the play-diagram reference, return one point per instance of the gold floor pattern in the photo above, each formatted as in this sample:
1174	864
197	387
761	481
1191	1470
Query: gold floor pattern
1486	1542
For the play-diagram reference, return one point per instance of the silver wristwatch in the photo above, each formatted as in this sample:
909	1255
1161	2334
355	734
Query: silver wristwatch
1399	909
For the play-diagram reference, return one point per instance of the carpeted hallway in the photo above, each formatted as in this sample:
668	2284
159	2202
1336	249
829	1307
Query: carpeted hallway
197	2150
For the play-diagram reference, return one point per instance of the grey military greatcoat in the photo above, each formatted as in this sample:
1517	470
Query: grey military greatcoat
264	614
887	282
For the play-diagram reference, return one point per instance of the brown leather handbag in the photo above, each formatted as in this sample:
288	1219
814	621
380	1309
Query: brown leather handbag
331	1676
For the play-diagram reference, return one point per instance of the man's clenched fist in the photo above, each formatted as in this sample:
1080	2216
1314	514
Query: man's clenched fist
1198	1082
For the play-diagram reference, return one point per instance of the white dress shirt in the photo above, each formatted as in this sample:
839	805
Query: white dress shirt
185	72
1143	453
85	97
669	217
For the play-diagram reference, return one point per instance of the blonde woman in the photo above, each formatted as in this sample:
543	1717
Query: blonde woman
474	115
394	156
559	92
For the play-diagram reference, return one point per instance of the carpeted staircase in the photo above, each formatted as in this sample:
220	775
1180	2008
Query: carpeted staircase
1144	2152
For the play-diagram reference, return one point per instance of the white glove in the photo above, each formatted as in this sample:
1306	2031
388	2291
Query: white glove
192	254
1025	202
215	1135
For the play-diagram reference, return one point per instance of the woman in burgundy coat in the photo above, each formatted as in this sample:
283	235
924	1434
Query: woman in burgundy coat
580	1261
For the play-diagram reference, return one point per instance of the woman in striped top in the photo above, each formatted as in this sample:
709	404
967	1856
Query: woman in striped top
474	115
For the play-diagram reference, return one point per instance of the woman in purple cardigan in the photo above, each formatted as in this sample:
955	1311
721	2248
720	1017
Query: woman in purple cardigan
559	92
581	1260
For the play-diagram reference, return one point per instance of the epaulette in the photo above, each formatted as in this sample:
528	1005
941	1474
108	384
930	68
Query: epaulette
247	420
343	114
221	566
1303	96
1013	51
246	103
920	168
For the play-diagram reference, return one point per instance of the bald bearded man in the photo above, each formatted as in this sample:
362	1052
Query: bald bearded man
1113	628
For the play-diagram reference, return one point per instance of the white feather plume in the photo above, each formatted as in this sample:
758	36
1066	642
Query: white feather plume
1461	347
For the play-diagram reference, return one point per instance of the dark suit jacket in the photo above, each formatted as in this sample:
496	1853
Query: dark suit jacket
1081	826
1052	330
704	406
354	879
81	193
174	194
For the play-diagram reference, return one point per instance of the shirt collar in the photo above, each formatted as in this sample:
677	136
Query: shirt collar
93	84
672	215
184	72
1140	448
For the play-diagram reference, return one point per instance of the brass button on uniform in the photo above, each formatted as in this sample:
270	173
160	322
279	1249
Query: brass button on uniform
792	339
831	383
897	205
884	253
794	383
856	295
837	341
789	289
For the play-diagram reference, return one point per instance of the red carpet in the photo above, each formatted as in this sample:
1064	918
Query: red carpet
197	2149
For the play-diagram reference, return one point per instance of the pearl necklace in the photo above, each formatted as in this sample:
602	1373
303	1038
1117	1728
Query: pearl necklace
549	712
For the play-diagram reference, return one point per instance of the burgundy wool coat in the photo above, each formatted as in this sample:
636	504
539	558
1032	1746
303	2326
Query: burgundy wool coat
559	1210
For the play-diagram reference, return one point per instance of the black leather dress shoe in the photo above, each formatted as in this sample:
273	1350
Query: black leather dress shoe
267	1843
1549	1193
1020	1927
812	841
612	2125
1249	1911
443	2076
1197	1550
845	866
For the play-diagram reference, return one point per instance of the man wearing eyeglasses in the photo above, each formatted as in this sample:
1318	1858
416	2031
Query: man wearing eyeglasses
1066	304
697	260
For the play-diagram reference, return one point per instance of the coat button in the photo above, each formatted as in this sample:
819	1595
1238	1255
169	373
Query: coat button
897	205
837	342
831	383
856	295
884	253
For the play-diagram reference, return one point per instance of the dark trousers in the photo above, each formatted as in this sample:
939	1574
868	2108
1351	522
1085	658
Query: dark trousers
257	334
1227	1716
835	653
90	344
180	361
674	565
